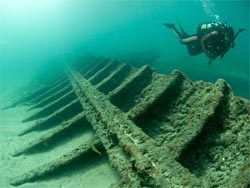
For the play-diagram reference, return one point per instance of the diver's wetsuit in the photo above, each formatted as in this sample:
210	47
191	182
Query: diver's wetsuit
194	47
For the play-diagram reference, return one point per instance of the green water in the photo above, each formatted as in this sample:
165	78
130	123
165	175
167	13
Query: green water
36	33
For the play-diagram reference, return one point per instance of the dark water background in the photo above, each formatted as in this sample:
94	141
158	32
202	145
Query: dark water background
34	33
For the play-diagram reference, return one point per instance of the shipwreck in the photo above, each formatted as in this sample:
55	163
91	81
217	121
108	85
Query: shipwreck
154	130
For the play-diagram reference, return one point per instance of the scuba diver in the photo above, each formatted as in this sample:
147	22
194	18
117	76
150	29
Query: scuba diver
213	38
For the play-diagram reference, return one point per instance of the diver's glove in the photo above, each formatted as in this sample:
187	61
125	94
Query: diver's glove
240	30
237	33
210	61
209	56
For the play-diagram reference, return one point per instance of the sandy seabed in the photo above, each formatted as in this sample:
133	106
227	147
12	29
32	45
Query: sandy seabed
97	174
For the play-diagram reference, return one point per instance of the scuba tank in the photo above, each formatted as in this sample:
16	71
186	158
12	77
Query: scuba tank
207	27
216	44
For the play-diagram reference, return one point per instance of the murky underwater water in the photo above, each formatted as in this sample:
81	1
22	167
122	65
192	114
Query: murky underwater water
37	37
38	33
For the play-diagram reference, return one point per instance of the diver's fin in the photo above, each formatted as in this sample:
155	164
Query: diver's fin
183	32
